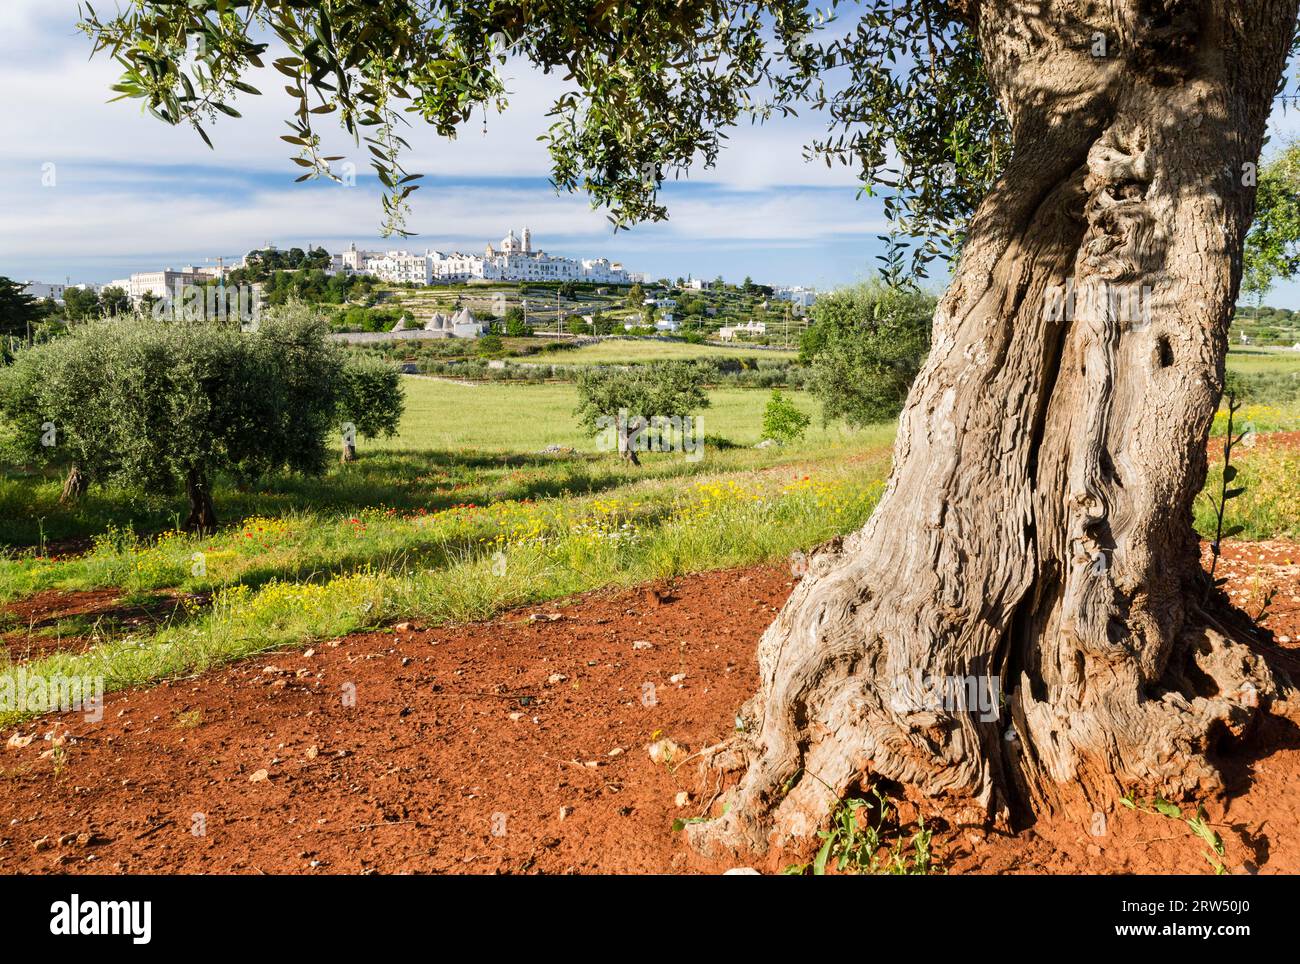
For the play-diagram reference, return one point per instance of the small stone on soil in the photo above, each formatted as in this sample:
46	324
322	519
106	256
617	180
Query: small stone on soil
665	751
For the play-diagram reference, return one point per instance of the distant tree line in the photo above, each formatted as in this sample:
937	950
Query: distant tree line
260	264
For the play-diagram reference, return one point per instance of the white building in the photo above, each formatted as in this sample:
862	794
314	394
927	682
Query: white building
165	284
730	332
798	295
514	260
40	290
354	261
401	266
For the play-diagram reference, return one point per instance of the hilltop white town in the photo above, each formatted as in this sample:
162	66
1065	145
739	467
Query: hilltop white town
514	260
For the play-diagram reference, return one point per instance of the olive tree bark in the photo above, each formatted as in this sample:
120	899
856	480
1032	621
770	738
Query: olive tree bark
203	515
74	485
629	434
1033	550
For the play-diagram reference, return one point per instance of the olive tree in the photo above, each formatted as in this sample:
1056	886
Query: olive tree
1273	245
54	409
866	345
167	406
635	406
370	402
1094	164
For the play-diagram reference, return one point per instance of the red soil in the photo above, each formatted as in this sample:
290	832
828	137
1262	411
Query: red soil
491	748
1263	440
101	612
1264	580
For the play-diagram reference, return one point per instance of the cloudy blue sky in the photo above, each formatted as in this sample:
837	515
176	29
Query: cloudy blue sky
131	194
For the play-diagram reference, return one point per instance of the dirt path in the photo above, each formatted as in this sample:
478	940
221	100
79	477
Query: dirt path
516	745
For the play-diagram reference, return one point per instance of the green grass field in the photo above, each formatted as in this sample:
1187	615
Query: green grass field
510	417
621	352
1250	360
425	526
458	517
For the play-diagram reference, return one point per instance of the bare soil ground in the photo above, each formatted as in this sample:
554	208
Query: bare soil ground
519	745
55	621
1264	440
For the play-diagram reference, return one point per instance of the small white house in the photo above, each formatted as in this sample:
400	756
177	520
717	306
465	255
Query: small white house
798	295
729	332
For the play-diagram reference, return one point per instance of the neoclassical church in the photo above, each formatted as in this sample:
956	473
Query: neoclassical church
512	245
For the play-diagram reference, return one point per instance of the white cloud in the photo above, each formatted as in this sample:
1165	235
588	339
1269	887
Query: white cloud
59	103
143	213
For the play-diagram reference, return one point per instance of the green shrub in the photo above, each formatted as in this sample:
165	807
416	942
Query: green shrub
782	421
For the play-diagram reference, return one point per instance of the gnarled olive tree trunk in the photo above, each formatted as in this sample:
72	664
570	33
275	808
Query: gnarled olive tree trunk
1034	542
74	485
202	517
